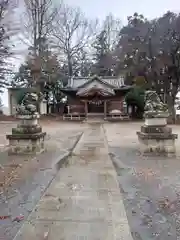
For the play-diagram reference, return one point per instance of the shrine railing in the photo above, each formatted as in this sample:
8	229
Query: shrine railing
75	117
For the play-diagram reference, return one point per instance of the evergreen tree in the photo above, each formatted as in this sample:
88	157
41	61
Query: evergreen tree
102	55
22	78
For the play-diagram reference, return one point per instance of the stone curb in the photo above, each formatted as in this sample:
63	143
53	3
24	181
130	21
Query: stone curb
127	229
8	122
67	154
60	161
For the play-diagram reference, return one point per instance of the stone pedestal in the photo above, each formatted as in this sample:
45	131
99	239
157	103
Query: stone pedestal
27	137
156	137
155	121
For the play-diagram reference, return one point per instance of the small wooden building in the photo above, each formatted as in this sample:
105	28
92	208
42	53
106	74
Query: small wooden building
96	96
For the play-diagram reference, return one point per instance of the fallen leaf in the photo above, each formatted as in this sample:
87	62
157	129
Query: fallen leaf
4	217
18	218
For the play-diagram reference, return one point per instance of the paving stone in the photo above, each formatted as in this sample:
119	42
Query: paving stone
84	200
67	230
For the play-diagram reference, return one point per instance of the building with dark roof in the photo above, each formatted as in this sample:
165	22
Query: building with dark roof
95	95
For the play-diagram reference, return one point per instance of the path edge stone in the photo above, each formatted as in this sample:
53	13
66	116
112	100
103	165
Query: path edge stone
127	230
59	163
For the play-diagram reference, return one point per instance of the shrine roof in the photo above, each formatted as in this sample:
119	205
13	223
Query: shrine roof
78	82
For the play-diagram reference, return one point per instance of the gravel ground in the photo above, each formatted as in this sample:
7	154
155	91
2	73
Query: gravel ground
26	178
150	185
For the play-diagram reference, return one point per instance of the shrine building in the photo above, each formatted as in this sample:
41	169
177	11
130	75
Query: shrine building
96	96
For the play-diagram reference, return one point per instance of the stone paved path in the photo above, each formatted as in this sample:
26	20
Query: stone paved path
84	200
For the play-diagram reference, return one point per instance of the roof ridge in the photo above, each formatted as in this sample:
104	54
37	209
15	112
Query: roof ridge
101	77
111	81
113	77
81	77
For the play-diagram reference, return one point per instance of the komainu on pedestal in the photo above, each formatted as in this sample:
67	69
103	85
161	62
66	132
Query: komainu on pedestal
27	137
155	136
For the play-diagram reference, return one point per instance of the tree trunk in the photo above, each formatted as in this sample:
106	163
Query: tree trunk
70	69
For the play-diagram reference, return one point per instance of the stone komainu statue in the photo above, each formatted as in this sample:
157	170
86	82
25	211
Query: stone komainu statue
29	104
153	104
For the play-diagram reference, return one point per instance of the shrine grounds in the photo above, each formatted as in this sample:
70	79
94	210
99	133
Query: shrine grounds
149	186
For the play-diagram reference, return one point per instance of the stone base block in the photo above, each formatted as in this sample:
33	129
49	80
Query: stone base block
156	130
156	121
157	144
21	129
26	144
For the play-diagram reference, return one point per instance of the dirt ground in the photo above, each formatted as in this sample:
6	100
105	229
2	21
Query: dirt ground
23	179
8	164
150	185
48	126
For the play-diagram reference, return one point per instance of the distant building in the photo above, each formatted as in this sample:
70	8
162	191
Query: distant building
87	95
96	95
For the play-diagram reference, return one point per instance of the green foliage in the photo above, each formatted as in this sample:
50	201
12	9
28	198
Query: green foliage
23	76
49	76
20	93
150	48
153	47
140	81
101	56
136	97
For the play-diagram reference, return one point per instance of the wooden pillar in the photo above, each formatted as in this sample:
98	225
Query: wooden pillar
105	109
86	108
68	109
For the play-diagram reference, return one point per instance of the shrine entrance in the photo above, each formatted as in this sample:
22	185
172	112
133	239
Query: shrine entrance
95	106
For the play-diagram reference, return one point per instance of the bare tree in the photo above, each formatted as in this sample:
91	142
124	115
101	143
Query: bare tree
112	26
104	46
72	33
37	22
36	28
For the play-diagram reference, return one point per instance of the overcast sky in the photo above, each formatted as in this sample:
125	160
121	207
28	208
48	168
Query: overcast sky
121	9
